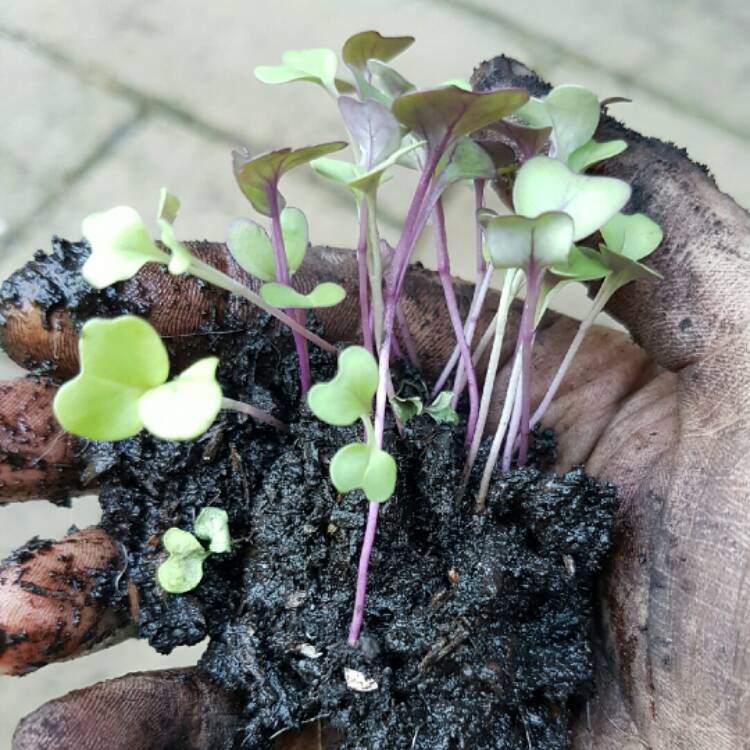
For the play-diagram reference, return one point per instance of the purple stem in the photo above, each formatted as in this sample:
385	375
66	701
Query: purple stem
364	565
412	226
364	301
282	275
444	272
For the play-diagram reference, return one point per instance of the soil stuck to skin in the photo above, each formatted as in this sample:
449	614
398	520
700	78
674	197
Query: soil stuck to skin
478	627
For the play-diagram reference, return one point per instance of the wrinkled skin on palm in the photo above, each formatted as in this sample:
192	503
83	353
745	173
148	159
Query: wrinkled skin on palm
664	414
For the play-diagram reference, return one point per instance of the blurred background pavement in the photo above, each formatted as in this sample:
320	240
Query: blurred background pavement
102	103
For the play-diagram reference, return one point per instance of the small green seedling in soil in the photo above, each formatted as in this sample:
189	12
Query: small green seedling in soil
258	178
122	387
533	151
182	571
121	246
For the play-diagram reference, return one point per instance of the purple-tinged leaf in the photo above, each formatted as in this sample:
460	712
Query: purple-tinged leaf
372	127
258	176
444	115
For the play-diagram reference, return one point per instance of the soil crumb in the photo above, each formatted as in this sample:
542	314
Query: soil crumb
477	629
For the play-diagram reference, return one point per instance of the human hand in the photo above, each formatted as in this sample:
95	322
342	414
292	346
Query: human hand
668	423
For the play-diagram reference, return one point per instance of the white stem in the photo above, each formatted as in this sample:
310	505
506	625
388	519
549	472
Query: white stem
502	426
487	337
223	281
471	322
506	297
605	292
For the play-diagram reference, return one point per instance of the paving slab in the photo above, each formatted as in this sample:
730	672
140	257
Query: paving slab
52	124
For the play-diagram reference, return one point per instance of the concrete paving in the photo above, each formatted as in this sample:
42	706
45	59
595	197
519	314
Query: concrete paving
103	103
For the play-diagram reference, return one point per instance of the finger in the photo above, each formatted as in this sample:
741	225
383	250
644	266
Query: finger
37	458
54	599
39	327
177	708
701	304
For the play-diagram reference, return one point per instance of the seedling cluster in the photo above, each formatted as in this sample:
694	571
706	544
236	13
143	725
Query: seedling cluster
542	236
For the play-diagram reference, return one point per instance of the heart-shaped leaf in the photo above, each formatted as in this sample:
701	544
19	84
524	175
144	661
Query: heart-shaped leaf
326	294
572	112
258	176
183	569
593	152
185	407
348	396
315	65
121	359
360	48
252	249
169	206
513	241
120	246
544	184
212	524
633	235
625	268
584	264
373	128
467	161
364	467
336	170
444	115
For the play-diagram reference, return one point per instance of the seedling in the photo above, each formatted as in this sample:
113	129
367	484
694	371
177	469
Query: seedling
122	389
182	571
533	151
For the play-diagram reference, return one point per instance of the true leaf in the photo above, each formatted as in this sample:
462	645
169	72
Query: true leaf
626	268
316	65
185	407
373	127
583	264
252	249
513	241
593	152
258	176
183	569
121	359
467	161
441	410
212	524
443	115
406	408
120	246
348	396
364	467
544	184
633	235
326	294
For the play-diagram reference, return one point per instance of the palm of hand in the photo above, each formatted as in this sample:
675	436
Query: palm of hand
670	427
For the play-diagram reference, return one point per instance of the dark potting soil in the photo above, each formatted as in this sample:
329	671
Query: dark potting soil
478	627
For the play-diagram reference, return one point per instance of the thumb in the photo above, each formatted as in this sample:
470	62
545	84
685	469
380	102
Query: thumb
701	304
